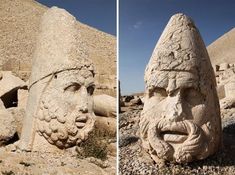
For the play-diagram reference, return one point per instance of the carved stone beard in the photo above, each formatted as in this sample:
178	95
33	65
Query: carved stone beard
61	125
181	141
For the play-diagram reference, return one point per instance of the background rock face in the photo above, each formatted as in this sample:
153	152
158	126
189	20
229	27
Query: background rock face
222	50
19	27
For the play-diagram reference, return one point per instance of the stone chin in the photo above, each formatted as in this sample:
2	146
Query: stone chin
181	142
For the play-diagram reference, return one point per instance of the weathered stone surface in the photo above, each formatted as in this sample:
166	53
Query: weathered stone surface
134	160
230	88
2	105
18	115
220	91
225	80
128	98
180	120
112	149
7	125
9	82
19	28
105	105
136	101
1	75
223	66
105	124
22	95
59	111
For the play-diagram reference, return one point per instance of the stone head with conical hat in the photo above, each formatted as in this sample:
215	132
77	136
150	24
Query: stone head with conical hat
59	112
180	120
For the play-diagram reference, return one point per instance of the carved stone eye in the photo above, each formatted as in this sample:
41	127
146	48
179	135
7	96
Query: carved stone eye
90	89
193	96
159	93
73	87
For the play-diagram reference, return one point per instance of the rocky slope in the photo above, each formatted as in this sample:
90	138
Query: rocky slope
222	50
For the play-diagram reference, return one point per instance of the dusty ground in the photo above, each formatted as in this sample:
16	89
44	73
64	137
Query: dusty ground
18	163
133	160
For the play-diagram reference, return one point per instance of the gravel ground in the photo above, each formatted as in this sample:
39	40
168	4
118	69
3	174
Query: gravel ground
133	160
32	163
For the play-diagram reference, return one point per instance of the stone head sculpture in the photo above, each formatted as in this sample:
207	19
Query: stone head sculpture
59	113
180	120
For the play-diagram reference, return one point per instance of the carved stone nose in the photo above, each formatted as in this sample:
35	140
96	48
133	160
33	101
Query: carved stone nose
83	109
83	100
174	109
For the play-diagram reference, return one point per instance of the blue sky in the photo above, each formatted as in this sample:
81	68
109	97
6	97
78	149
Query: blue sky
100	14
142	22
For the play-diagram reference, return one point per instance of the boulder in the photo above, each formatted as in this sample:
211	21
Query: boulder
136	101
105	124
128	98
9	82
7	125
105	105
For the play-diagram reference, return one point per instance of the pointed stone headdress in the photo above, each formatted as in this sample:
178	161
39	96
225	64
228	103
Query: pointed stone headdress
59	46
180	48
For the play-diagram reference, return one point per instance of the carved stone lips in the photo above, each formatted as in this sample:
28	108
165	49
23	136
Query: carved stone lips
81	121
175	132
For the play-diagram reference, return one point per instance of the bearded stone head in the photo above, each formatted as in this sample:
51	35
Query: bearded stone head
66	116
180	120
59	113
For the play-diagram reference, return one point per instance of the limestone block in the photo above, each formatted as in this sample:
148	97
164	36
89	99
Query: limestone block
106	124
223	66
221	91
7	126
230	88
18	115
105	105
180	121
22	98
9	82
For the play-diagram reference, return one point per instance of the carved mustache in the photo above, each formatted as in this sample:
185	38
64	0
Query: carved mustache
187	133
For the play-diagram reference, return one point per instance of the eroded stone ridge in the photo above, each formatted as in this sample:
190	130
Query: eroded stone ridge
59	109
180	120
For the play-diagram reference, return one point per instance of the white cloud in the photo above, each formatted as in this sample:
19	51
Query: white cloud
137	25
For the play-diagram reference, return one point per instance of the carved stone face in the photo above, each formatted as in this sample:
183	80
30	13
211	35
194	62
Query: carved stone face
178	121
66	113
